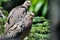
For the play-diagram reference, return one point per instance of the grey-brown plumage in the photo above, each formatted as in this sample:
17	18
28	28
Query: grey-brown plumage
28	24
23	27
16	15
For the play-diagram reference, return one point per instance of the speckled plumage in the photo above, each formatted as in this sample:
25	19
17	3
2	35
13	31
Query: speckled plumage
23	27
16	14
20	31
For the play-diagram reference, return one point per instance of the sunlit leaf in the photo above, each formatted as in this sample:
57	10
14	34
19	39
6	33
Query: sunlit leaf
45	8
34	2
38	6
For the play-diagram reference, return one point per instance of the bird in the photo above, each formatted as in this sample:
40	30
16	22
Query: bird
21	29
27	24
16	14
24	25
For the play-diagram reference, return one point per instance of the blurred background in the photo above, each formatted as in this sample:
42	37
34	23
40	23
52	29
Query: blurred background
41	27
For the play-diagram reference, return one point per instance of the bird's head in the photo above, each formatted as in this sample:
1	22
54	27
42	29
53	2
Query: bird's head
30	15
27	3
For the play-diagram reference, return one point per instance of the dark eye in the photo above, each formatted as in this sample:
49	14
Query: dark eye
28	2
30	15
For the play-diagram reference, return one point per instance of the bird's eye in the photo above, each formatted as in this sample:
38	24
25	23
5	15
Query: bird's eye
28	2
30	15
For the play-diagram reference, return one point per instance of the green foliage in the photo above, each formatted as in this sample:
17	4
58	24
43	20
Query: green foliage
2	23
5	13
37	5
3	1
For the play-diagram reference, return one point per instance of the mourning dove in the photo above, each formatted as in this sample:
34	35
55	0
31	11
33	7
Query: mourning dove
22	27
17	14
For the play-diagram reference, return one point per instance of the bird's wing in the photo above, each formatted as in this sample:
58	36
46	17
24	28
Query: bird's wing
15	15
22	27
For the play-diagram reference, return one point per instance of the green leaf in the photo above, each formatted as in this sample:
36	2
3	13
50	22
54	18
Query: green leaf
38	6
34	2
38	19
45	8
